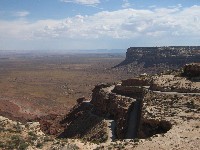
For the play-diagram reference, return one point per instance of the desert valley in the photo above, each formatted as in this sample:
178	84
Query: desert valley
99	75
148	99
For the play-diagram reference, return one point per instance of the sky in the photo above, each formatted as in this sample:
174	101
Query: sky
97	24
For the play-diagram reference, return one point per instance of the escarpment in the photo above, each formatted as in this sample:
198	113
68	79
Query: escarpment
134	108
174	56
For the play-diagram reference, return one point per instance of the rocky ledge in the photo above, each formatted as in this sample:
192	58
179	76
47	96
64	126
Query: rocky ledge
161	106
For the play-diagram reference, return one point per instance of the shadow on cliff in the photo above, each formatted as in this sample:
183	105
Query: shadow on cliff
150	127
123	63
82	123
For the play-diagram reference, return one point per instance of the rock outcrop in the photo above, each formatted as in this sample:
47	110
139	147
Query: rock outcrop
113	106
135	82
172	83
138	108
80	123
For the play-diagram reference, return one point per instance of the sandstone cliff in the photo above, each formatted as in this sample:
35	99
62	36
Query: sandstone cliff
170	55
139	108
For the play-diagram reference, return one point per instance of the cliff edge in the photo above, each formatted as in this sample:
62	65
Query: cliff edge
160	108
167	55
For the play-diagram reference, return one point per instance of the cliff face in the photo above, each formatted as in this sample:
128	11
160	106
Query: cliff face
171	55
134	108
113	106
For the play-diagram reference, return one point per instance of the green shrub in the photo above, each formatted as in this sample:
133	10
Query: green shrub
39	145
47	139
23	146
32	136
18	127
136	140
1	144
17	142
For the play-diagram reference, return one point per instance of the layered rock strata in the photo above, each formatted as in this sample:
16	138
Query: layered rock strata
137	108
114	106
170	55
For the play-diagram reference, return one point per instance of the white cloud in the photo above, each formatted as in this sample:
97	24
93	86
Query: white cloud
126	4
130	23
83	2
143	24
21	13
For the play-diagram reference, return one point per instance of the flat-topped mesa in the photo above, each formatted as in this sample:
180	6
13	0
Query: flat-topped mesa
171	55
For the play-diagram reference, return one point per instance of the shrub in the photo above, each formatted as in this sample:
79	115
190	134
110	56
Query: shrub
32	136
1	144
39	145
17	142
47	139
136	140
23	146
18	127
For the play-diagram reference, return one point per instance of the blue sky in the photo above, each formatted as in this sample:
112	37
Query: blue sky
97	24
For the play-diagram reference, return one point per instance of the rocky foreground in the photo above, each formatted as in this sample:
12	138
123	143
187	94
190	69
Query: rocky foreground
147	112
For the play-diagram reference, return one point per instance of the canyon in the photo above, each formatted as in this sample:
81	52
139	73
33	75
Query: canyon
141	109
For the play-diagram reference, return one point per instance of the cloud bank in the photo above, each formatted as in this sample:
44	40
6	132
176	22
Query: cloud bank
128	24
